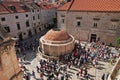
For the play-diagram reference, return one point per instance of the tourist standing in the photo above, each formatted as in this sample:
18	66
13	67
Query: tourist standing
62	76
33	74
37	69
41	76
81	72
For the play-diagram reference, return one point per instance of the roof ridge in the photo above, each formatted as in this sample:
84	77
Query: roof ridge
70	5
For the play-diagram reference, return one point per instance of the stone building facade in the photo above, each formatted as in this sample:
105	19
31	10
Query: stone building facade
48	14
114	74
23	19
90	24
16	18
9	68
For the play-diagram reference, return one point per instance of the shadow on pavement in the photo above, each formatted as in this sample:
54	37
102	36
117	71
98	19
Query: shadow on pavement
74	69
100	68
71	72
27	63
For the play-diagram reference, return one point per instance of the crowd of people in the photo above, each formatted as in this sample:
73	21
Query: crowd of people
80	57
26	45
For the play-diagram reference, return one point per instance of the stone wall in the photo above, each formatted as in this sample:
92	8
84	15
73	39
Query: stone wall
114	71
9	69
108	25
57	48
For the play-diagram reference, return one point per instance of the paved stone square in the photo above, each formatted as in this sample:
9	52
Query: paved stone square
33	58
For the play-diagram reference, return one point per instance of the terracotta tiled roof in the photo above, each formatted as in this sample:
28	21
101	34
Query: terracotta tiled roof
92	5
32	5
17	5
56	35
44	5
55	5
3	10
65	6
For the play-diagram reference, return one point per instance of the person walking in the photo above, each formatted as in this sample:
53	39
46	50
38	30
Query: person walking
41	76
81	72
103	77
33	74
37	69
85	72
62	76
77	74
69	64
27	77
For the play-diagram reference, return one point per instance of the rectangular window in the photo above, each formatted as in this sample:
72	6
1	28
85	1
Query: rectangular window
3	19
26	15
95	25
16	17
33	17
32	10
96	19
62	15
114	26
78	23
38	17
18	26
27	24
78	18
7	29
114	20
63	20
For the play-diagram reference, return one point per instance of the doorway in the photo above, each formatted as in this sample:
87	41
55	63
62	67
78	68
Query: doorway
29	33
35	31
93	38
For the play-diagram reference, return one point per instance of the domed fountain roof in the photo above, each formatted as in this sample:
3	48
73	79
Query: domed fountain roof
56	35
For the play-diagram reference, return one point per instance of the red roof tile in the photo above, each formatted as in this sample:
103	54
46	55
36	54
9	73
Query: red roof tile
44	5
92	5
17	6
65	6
55	5
3	10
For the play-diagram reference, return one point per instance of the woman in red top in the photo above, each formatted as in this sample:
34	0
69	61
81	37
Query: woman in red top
81	72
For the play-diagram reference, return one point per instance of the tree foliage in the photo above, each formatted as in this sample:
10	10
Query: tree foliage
118	41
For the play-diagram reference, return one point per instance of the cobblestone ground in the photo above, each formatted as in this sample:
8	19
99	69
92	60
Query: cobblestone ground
33	58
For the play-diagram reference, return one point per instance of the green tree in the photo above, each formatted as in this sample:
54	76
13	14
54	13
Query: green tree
118	41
